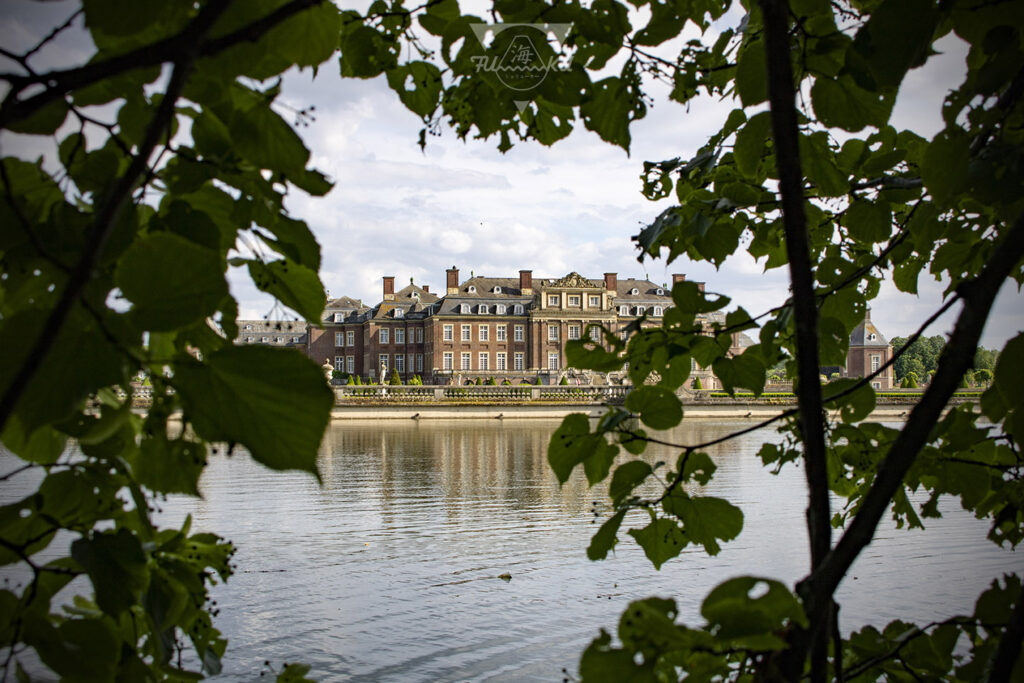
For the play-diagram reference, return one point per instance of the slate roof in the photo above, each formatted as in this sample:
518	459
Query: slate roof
485	287
861	335
646	291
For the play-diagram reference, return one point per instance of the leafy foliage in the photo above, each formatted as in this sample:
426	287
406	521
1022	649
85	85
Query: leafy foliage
113	263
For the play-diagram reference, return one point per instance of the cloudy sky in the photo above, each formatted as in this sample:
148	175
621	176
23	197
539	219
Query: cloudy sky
573	207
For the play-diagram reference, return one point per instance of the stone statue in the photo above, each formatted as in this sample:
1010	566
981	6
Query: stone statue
328	370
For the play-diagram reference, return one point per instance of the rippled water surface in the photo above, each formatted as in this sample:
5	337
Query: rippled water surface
388	571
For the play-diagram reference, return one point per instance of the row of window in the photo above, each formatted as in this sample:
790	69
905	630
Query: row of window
657	311
574	300
483	361
484	333
415	362
484	309
268	340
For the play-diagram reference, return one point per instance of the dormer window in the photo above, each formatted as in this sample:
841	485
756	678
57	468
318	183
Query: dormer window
640	310
623	310
399	312
248	327
661	292
481	309
518	309
471	289
499	309
872	337
657	311
415	295
339	317
463	308
497	290
634	291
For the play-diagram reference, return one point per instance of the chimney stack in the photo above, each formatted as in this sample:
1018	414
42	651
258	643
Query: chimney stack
700	287
426	288
389	288
453	280
678	277
611	282
526	282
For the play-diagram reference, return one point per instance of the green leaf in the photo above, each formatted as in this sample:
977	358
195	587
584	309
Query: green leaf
309	37
841	103
868	221
365	53
272	401
752	74
658	407
705	519
661	540
896	38
294	285
418	85
945	166
697	466
819	165
749	611
689	297
750	143
853	407
260	135
606	537
626	478
741	371
171	281
906	272
610	109
116	566
44	121
169	466
573	443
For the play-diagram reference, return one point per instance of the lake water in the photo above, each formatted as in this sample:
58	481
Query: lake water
389	570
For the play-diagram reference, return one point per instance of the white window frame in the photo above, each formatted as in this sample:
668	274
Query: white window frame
552	332
467	333
497	290
339	363
634	291
339	338
501	361
660	292
385	360
448	333
499	309
466	360
339	317
595	333
471	289
519	360
448	360
658	312
501	332
554	299
573	332
400	363
552	360
595	301
419	335
574	299
482	309
350	364
623	310
464	309
876	362
399	312
518	334
483	333
419	362
640	310
399	336
517	309
483	361
350	338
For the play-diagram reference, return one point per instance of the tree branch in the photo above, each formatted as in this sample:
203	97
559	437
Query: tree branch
190	39
106	216
978	296
1009	648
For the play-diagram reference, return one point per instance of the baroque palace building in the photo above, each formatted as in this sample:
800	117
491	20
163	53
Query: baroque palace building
501	327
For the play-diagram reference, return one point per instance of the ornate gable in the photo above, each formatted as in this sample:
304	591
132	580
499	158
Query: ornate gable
575	280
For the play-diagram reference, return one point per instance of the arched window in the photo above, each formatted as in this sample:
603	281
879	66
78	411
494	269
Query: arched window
481	309
657	311
463	308
661	292
499	309
518	309
640	310
399	313
471	289
634	291
623	310
497	290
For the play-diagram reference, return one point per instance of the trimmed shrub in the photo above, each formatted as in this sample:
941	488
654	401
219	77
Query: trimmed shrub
564	381
696	385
